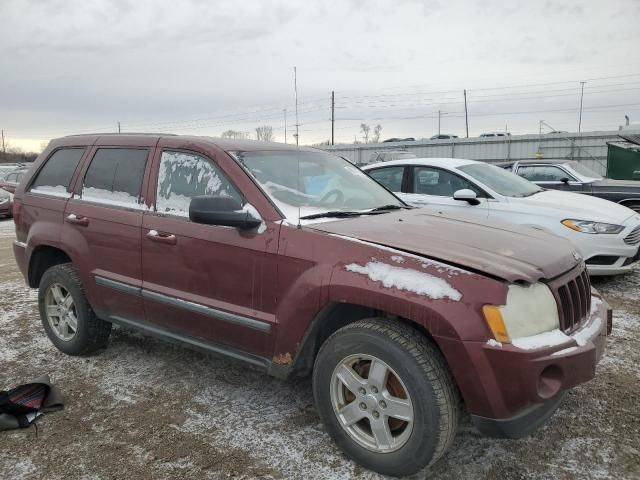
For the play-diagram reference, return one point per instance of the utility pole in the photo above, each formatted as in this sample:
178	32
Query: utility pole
466	118
285	125
118	127
438	122
333	113
581	95
4	150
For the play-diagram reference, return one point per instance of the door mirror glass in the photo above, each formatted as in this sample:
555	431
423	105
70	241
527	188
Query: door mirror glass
466	195
223	211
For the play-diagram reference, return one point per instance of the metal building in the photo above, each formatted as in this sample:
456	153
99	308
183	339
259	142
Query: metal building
589	147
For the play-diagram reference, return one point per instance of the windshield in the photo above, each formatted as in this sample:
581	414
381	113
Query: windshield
325	183
584	170
500	181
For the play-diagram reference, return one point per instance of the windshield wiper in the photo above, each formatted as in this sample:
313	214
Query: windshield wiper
333	213
348	213
388	207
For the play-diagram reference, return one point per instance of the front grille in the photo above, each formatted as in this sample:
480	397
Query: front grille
574	300
634	237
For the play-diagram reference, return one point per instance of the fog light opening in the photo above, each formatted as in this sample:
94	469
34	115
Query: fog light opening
550	382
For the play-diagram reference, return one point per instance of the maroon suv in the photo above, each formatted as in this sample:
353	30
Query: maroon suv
296	262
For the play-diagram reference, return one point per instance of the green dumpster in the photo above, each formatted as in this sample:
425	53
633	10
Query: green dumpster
623	159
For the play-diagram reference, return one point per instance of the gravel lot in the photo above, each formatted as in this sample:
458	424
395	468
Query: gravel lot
145	409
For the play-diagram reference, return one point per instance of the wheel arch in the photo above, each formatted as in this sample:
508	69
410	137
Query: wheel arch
42	258
330	319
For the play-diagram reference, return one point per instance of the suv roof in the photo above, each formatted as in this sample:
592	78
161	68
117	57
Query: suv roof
226	144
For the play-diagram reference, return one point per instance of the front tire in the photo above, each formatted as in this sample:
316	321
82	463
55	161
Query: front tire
386	396
67	318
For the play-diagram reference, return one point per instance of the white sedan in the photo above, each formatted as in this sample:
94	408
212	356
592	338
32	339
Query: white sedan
606	234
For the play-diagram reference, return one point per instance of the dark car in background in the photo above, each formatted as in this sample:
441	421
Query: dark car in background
573	176
5	204
11	180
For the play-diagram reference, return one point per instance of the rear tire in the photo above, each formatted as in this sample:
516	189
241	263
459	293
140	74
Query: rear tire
67	318
401	410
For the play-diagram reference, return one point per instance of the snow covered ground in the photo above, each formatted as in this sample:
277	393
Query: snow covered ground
145	409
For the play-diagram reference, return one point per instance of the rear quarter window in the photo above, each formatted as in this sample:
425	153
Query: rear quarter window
54	177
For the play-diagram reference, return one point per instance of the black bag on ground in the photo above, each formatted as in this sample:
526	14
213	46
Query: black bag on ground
21	405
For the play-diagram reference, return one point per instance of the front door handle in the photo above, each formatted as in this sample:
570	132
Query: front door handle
156	236
77	220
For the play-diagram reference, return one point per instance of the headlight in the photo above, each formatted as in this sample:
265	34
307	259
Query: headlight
528	311
586	226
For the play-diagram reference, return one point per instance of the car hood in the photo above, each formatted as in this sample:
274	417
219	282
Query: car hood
574	205
500	250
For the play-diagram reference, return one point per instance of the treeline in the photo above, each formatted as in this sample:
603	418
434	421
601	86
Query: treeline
17	156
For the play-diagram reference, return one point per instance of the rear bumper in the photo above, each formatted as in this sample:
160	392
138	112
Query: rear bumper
511	391
20	254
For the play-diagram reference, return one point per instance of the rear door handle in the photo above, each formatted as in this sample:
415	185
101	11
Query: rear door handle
156	236
77	220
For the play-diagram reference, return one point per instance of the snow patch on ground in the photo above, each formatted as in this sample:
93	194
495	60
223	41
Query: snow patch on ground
407	279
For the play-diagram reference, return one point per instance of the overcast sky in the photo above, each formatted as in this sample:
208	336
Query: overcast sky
203	67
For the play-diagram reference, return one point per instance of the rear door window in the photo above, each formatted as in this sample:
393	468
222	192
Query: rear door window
54	177
390	177
115	176
183	175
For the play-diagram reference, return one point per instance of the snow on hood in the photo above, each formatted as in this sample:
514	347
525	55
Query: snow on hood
407	279
575	205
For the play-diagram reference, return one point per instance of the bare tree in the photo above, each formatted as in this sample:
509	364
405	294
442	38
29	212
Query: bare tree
235	134
364	128
265	133
376	133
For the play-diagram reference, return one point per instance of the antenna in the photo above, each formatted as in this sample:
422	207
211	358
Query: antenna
285	125
295	89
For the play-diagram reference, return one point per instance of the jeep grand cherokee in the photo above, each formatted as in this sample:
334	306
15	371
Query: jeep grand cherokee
296	262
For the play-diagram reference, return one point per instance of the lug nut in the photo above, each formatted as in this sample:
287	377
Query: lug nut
363	406
383	404
362	391
375	414
374	389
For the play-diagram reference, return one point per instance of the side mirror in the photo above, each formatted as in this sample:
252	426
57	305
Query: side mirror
466	195
224	211
565	180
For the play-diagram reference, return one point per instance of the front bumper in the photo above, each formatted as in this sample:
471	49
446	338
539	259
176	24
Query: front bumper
617	265
5	208
606	254
511	391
